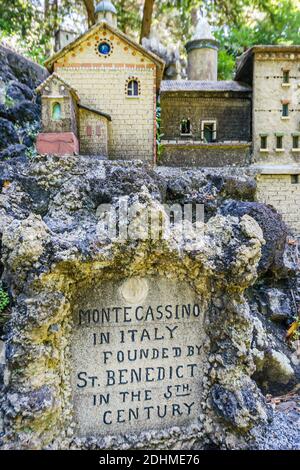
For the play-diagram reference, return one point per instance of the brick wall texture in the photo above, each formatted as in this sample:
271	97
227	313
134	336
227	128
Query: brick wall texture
279	191
101	81
232	113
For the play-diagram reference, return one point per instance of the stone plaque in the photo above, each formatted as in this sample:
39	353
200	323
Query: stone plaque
137	356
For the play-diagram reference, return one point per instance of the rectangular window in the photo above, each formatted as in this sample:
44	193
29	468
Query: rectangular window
286	76
279	142
89	131
295	179
263	142
185	127
295	141
98	131
285	110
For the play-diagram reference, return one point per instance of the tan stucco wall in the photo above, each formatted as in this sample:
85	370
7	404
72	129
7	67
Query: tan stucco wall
100	83
279	191
268	93
203	64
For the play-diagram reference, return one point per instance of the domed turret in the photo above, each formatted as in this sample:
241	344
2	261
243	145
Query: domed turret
105	10
202	53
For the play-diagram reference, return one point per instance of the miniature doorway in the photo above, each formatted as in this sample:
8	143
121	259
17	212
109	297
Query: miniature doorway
208	131
93	134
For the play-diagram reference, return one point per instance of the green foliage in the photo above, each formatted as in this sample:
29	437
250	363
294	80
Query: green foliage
4	97
129	19
31	29
31	152
238	24
280	24
32	129
226	65
22	20
4	299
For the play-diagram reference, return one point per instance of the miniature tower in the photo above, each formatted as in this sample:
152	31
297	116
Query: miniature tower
202	53
105	10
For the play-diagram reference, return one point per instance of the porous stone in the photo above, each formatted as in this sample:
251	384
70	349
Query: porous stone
19	107
278	367
279	307
59	259
8	134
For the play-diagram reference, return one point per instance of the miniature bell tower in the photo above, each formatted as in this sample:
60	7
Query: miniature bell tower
105	11
202	53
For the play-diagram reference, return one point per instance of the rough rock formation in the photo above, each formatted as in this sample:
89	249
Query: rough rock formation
19	107
55	243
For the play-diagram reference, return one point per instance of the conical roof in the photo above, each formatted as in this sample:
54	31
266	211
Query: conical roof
203	30
105	5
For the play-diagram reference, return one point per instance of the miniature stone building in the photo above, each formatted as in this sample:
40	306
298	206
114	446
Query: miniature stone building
116	81
205	122
59	116
64	119
273	72
63	37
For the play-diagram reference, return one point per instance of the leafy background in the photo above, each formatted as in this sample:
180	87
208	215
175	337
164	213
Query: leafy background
28	25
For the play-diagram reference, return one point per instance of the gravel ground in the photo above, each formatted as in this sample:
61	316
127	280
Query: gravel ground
284	432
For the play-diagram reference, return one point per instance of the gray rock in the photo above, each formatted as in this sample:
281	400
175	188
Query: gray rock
278	367
279	305
52	253
283	433
18	91
13	151
8	134
275	232
24	111
20	105
16	67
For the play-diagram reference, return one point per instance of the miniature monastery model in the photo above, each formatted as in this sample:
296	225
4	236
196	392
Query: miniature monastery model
254	118
101	96
207	121
101	100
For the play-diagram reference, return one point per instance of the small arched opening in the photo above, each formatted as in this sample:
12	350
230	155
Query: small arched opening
56	112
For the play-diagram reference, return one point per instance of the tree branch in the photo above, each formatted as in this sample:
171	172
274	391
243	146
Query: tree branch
147	19
90	9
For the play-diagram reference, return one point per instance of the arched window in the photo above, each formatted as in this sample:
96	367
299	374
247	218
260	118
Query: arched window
133	88
56	112
185	126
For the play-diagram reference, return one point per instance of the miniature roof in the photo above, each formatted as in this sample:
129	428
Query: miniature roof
154	58
105	5
96	111
73	92
244	70
57	77
203	85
